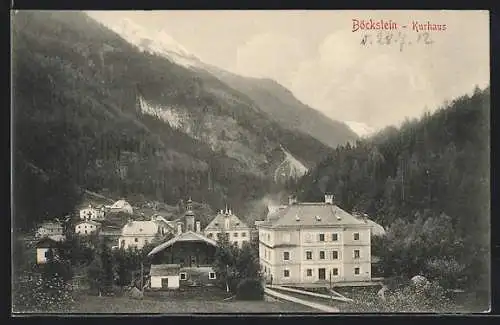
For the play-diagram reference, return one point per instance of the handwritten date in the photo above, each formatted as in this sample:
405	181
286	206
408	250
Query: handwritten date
400	39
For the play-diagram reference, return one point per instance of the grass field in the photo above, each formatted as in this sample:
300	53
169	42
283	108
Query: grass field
92	304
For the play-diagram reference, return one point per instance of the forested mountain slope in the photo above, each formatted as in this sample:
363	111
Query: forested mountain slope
427	182
81	96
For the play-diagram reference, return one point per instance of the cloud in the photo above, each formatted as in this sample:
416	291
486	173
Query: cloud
377	85
270	55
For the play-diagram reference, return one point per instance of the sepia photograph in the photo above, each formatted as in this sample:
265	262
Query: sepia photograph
250	162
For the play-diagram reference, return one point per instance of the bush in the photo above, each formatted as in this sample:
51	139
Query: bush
429	298
250	289
33	293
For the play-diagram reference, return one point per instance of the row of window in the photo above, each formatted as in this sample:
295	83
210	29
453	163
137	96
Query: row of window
322	237
235	235
183	275
322	255
321	272
85	227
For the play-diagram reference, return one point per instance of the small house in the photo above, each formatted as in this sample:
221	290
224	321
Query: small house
47	246
87	227
121	206
92	213
49	228
165	276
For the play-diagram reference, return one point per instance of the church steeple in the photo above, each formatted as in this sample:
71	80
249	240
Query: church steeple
189	216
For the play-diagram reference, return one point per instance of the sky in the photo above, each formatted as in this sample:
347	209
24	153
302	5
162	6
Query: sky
321	60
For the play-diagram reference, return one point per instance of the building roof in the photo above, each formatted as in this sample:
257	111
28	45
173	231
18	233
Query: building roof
51	223
97	224
50	241
140	228
121	204
164	269
376	229
220	222
189	236
315	214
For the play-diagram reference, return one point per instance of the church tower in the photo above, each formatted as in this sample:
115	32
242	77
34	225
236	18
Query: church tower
189	216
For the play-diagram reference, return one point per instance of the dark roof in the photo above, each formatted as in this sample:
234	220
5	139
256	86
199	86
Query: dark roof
164	269
219	222
189	236
311	215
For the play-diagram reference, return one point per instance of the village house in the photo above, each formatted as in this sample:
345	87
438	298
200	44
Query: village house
228	224
120	206
92	213
47	246
165	276
49	228
191	250
315	242
137	234
87	227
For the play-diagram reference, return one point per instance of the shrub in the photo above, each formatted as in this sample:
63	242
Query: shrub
33	293
429	298
250	289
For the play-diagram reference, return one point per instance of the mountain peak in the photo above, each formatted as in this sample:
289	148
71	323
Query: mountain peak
154	41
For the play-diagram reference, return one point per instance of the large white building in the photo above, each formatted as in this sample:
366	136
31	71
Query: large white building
225	222
315	242
137	234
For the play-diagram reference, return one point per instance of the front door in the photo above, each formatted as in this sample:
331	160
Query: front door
164	282
322	274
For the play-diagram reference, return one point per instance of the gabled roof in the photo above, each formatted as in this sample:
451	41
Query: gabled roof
219	222
97	224
121	204
49	241
164	269
140	228
311	215
189	236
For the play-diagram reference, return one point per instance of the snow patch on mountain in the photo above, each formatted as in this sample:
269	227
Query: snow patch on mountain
155	42
289	168
360	128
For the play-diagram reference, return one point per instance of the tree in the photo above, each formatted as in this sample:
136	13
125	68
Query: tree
224	262
100	272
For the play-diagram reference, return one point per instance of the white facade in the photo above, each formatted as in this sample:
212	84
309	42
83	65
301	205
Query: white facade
301	257
137	234
42	254
91	213
49	229
86	228
165	281
315	243
229	224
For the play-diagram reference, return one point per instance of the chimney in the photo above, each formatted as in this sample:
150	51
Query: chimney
179	228
292	199
328	198
198	227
